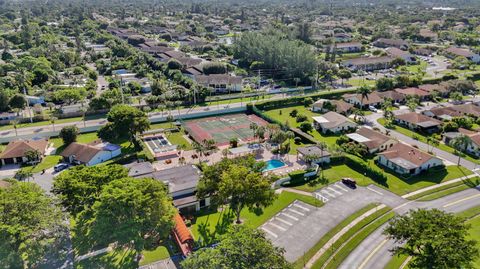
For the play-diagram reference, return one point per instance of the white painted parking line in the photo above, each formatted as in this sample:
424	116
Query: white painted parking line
329	194
290	216
375	191
277	226
296	212
302	207
335	191
284	221
270	232
340	187
321	197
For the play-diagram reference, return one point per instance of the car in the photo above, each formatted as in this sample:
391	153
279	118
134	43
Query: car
349	182
372	108
59	167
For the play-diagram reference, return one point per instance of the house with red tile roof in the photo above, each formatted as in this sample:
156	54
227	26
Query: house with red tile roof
407	160
372	99
423	95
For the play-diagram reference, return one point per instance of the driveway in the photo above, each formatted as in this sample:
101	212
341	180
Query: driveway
8	171
298	227
374	252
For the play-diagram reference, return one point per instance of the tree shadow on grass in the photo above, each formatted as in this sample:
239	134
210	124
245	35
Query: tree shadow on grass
472	183
224	221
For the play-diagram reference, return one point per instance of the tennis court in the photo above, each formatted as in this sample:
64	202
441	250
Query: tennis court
223	128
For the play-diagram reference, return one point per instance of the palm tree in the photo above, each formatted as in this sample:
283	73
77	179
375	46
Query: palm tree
84	116
199	149
461	143
260	133
364	91
52	121
15	123
357	113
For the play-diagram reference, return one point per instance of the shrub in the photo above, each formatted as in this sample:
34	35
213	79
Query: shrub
69	134
293	113
308	101
297	140
362	167
301	118
306	127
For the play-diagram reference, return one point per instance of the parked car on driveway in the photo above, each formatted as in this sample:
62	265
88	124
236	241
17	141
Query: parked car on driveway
349	182
59	167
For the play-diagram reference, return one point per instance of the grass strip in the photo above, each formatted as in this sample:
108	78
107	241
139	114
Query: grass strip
345	237
357	239
443	193
396	262
469	213
309	254
469	183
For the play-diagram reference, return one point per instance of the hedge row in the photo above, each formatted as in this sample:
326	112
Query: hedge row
359	165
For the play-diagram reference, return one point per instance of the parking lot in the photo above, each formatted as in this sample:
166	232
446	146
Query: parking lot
298	227
286	219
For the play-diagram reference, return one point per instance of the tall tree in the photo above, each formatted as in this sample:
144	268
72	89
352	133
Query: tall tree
240	248
79	187
30	223
433	238
461	143
140	210
124	122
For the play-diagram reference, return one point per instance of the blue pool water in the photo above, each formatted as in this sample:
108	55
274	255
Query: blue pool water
273	164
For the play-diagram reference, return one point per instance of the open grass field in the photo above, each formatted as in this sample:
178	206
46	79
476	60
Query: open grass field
474	233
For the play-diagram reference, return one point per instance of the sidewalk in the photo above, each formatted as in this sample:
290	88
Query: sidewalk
439	185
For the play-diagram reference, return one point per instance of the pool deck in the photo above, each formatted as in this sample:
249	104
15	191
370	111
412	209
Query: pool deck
292	164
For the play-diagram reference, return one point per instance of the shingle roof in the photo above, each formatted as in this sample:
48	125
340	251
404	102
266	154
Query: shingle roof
313	150
404	154
18	148
218	79
82	152
331	120
375	139
418	119
412	91
460	52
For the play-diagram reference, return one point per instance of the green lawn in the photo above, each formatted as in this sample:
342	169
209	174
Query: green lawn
394	184
283	115
446	189
160	253
452	190
357	82
396	262
423	138
475	234
47	162
208	224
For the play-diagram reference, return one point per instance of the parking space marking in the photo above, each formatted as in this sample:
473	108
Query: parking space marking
297	212
269	232
284	221
334	190
277	226
340	187
323	198
329	194
302	207
290	216
375	191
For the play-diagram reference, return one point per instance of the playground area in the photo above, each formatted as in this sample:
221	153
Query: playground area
223	128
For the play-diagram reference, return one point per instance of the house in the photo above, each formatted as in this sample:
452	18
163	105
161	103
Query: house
348	47
412	91
373	140
427	35
442	89
407	160
320	155
90	154
386	42
470	110
15	151
342	37
474	146
333	122
396	97
398	53
339	106
454	52
368	63
423	52
420	122
33	100
182	184
221	83
442	113
357	99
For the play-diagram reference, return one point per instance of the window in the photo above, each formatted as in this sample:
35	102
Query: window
202	203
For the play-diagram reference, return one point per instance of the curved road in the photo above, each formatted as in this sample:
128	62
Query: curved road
373	252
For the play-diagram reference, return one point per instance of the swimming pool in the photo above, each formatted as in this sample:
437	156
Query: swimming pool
273	164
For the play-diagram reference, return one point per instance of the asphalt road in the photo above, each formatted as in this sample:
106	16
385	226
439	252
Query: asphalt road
374	252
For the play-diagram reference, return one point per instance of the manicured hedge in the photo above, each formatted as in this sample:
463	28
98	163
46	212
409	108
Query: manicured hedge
359	165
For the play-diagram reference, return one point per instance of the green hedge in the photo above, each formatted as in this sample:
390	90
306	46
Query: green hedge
360	166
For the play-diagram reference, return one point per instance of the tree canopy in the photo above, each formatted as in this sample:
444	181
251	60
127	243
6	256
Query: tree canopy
240	248
433	238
